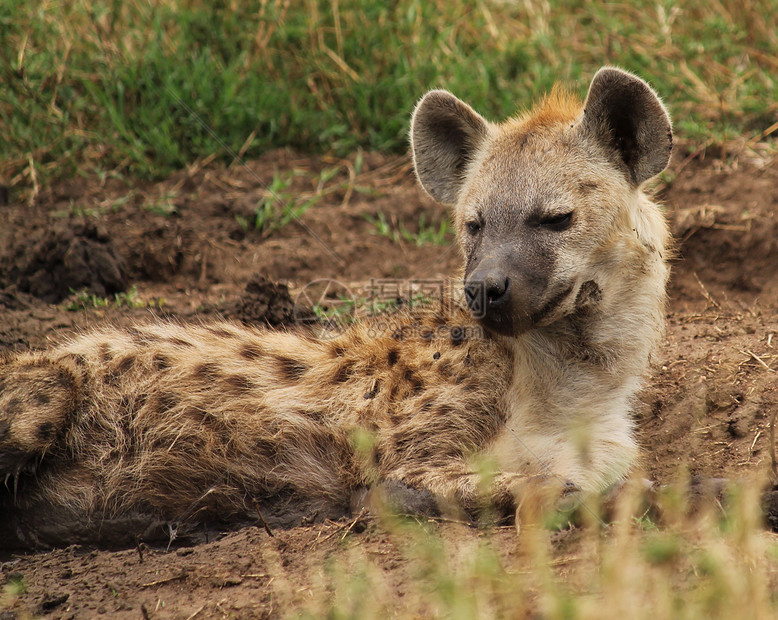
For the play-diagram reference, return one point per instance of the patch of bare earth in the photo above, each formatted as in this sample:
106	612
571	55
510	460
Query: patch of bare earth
189	246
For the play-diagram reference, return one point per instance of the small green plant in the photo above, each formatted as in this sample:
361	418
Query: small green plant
76	209
645	522
131	299
382	226
428	233
83	300
335	312
334	315
164	205
377	306
14	587
279	205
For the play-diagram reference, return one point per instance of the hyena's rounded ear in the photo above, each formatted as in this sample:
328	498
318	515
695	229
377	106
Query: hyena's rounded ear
445	133
624	114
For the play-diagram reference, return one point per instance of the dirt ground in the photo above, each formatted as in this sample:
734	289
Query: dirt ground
187	247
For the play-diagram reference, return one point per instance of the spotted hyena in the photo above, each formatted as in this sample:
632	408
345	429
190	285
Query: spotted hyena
120	434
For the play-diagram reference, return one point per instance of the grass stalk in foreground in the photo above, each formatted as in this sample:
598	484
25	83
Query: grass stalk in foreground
709	565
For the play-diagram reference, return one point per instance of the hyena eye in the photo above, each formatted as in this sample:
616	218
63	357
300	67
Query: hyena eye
557	222
473	227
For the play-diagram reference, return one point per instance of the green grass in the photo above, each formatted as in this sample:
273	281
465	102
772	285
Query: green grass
426	234
164	205
283	201
145	87
280	205
83	300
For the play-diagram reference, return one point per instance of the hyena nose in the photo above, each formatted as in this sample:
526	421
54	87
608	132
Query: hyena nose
490	293
496	289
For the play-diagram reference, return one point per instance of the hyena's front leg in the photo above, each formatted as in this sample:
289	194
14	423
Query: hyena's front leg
499	495
457	490
37	399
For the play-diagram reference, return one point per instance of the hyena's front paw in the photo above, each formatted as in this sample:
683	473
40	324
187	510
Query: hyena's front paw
536	497
37	398
396	498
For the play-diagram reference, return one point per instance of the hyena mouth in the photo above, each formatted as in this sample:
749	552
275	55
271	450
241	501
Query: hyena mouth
552	304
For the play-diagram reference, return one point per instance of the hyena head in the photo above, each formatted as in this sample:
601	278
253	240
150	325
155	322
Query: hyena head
542	201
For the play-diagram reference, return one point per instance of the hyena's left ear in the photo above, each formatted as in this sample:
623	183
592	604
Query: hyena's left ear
627	117
445	133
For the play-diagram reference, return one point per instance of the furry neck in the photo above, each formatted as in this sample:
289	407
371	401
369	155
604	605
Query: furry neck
574	383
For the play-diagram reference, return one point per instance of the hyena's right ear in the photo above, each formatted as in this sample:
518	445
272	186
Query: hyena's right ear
445	132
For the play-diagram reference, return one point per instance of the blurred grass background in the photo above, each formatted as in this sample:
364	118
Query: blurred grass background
143	87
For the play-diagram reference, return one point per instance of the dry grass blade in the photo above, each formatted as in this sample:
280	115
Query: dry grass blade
773	460
183	575
345	528
756	358
706	294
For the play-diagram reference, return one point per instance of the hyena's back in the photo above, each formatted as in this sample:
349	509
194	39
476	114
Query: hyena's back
154	424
